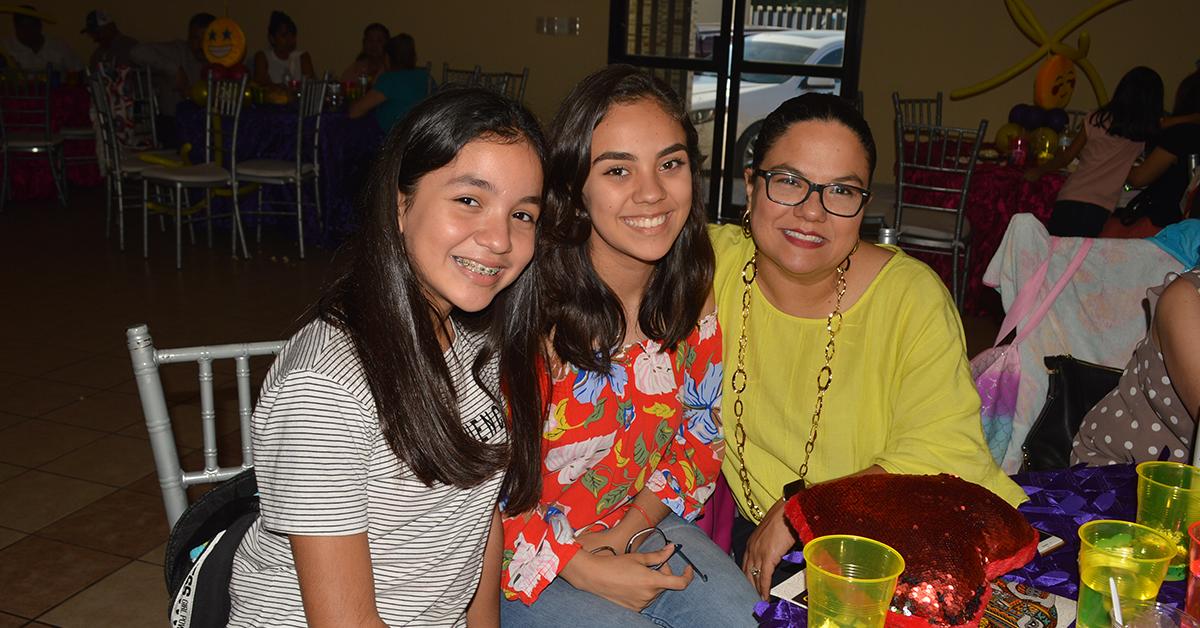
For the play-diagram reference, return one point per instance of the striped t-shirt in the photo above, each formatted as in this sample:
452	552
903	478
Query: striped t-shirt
325	469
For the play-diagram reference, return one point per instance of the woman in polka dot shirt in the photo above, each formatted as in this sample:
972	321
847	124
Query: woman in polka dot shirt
1151	414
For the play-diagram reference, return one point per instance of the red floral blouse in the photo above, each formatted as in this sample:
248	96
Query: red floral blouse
653	421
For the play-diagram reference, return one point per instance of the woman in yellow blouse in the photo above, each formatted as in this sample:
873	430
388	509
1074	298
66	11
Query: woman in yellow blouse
854	359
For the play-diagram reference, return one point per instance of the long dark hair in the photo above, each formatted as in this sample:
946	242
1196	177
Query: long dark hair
373	26
584	316
814	106
381	303
1136	106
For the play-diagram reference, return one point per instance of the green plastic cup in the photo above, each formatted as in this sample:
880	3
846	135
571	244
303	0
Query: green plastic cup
851	580
1133	555
1169	502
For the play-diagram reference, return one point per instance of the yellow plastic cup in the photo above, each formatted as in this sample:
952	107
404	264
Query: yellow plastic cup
1169	502
1134	555
851	580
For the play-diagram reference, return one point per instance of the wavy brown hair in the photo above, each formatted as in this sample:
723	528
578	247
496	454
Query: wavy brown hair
583	315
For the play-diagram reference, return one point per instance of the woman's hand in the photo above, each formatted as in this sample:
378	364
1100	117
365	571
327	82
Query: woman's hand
766	547
626	579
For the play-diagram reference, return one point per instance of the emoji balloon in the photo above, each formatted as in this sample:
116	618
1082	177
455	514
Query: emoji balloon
1055	82
224	42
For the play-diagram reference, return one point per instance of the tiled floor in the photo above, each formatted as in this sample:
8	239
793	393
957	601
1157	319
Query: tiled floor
82	529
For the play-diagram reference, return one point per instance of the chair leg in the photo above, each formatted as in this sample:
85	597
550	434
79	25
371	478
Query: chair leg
261	208
58	171
300	213
208	201
317	196
178	227
120	209
239	231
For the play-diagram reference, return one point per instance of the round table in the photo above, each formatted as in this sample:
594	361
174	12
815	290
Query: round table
269	132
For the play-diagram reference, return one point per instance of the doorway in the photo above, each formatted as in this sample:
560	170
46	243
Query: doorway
704	48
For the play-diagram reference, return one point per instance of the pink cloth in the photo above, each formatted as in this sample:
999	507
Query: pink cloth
1104	163
717	520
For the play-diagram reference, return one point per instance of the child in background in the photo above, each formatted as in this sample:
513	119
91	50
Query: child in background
275	67
1111	138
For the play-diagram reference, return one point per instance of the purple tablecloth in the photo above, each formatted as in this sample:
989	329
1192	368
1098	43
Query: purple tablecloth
269	132
1059	502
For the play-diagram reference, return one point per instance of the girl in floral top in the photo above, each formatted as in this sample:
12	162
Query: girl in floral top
632	437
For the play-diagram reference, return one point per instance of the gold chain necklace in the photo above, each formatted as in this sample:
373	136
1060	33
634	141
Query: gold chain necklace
824	376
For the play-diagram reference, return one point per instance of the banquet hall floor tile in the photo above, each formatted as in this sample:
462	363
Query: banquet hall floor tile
82	528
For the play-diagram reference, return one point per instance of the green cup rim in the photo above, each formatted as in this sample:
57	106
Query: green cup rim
1166	541
899	556
1166	463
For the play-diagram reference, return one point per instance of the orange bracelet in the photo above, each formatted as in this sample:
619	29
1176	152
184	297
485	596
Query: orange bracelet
639	509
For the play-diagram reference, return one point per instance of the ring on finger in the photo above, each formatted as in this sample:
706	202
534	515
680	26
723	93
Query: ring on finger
755	571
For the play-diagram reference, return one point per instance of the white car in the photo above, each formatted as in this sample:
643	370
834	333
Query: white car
760	94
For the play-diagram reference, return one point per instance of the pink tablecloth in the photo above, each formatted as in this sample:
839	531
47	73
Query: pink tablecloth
31	178
997	193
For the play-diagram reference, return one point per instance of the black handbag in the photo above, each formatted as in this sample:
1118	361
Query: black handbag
1075	387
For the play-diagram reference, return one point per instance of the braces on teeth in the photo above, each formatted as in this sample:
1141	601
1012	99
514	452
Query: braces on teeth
476	267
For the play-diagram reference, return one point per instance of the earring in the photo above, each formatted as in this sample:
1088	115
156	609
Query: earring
746	221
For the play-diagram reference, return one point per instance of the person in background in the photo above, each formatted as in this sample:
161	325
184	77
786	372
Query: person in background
1166	166
1111	138
114	46
282	62
397	91
32	49
372	61
176	66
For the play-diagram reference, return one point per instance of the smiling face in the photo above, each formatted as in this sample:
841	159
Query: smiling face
639	188
805	243
469	225
224	42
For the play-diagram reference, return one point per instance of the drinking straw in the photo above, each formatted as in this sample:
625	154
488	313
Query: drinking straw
1116	611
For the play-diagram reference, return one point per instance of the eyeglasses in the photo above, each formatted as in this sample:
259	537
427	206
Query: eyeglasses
649	532
791	189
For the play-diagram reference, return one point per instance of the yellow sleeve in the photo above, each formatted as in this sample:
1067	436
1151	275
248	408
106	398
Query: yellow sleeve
936	425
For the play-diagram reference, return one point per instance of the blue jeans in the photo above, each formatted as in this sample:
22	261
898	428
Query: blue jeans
726	601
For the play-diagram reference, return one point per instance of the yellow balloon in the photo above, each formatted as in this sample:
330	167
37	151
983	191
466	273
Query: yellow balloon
200	92
1005	134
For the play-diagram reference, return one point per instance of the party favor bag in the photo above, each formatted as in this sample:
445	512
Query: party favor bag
997	371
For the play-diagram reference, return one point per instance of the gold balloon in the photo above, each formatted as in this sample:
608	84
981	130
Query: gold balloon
200	92
1005	134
